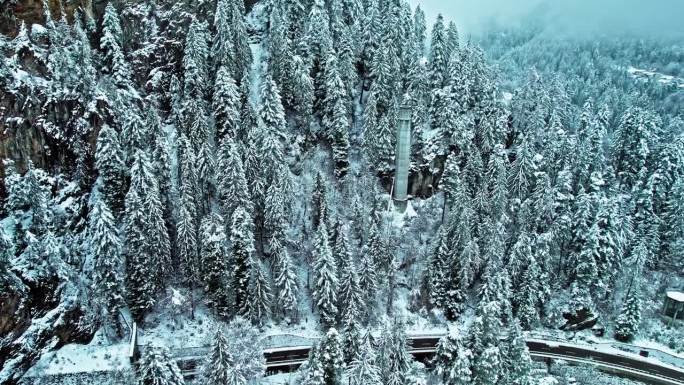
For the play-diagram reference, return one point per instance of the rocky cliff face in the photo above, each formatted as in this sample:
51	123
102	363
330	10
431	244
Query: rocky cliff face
31	11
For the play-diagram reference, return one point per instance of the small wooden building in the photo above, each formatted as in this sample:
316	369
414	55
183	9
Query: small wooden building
674	305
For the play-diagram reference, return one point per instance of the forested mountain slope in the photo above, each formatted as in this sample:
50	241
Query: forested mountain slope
244	160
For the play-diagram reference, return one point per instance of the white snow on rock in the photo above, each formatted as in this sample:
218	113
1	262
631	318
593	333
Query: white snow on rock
676	295
75	358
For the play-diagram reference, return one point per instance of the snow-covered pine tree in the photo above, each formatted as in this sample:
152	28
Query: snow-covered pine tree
484	334
232	183
460	372
113	61
341	252
248	115
272	113
14	187
368	280
244	342
318	42
134	132
363	369
313	370
318	201
521	170
332	358
147	246
633	143
452	40
452	361
673	235
438	58
334	90
111	168
260	296
43	258
161	162
220	366
286	284
370	32
380	143
350	299
302	92
528	295
254	169
187	226
223	48
351	333
242	242
226	104
243	53
158	238
340	139
420	28
393	357
435	279
6	252
29	194
347	59
336	115
215	269
195	62
275	223
646	223
157	367
517	363
377	249
280	49
325	278
446	355
627	323
104	249
450	181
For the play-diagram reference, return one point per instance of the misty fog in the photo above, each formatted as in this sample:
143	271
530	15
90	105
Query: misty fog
658	18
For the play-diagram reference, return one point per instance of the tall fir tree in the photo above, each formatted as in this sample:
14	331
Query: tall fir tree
232	186
325	278
286	285
187	227
438	54
226	104
109	162
215	268
147	246
260	296
627	323
219	368
157	367
223	47
242	243
363	369
114	61
332	358
105	250
517	363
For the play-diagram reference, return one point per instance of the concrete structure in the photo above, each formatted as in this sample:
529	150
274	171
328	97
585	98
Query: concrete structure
674	305
403	154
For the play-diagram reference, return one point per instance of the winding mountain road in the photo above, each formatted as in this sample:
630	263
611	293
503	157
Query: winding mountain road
288	359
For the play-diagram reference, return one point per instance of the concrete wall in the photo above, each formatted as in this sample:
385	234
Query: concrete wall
403	153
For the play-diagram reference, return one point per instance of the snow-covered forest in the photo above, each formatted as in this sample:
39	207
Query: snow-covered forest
221	173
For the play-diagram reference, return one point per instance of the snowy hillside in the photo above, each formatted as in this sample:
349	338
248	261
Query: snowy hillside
221	179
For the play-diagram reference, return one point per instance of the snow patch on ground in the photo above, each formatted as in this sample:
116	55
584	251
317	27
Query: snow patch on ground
659	77
76	358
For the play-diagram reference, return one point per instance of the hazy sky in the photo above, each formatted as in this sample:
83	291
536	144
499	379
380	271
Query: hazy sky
638	17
